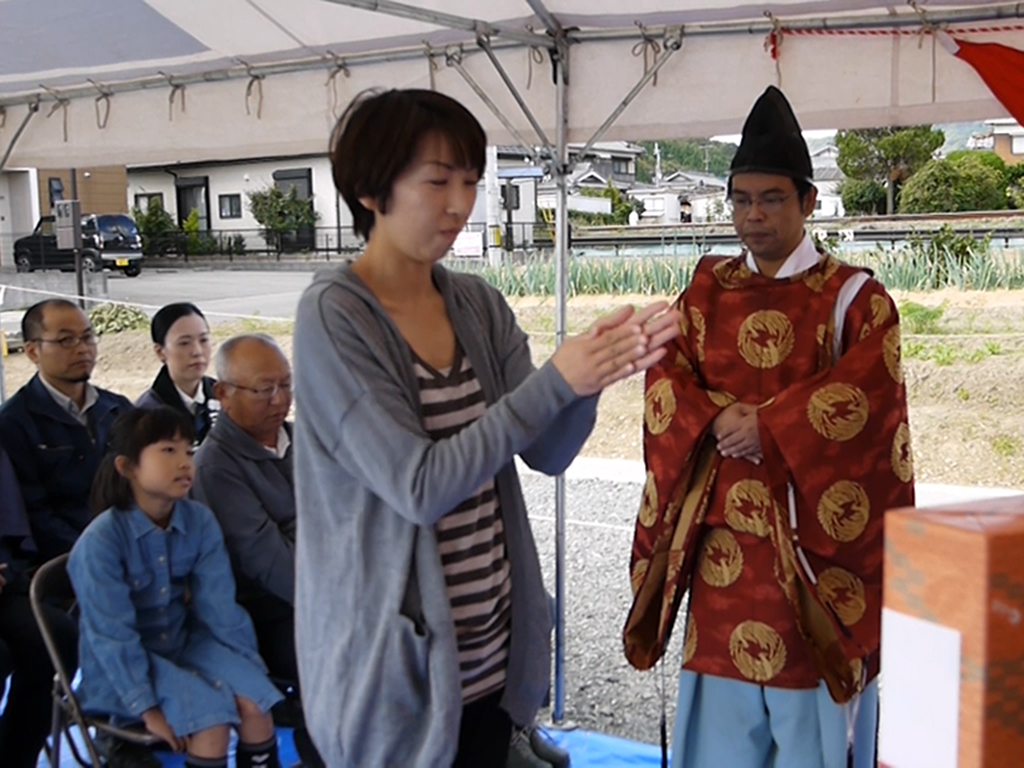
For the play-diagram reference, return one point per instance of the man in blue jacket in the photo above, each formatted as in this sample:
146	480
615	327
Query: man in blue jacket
55	428
25	720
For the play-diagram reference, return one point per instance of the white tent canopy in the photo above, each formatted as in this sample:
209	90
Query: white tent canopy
851	63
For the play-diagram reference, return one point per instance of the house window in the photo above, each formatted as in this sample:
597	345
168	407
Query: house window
230	206
819	204
1018	145
145	199
56	189
620	166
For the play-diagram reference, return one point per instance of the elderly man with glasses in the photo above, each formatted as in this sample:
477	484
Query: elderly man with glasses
244	474
55	428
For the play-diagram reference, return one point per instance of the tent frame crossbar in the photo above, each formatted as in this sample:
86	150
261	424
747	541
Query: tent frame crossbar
673	43
510	38
485	45
453	59
449	20
32	109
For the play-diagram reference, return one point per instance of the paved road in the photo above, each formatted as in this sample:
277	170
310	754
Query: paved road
267	294
222	295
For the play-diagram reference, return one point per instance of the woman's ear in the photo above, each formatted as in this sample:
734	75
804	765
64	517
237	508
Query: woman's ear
369	203
160	353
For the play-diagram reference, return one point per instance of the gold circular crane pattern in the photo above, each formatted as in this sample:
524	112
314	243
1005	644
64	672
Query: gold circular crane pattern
844	510
721	559
892	353
838	411
766	339
844	592
747	507
649	503
659	406
757	651
902	455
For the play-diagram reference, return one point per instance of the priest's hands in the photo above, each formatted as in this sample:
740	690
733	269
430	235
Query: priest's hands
616	346
735	428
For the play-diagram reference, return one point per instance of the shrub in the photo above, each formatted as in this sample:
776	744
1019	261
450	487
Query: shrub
117	318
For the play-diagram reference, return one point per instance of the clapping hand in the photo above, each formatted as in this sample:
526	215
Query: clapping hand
616	346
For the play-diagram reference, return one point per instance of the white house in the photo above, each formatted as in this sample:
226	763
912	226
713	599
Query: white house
19	208
828	178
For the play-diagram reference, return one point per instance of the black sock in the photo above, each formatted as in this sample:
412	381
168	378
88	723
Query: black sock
257	755
191	761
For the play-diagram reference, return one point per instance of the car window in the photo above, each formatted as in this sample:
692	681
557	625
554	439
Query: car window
111	226
47	228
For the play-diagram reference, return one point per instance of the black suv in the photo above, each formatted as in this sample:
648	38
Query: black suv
109	241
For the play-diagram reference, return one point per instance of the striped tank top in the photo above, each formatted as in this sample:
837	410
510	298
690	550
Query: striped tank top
471	538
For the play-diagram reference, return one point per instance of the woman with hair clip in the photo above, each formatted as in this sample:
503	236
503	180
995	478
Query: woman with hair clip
181	340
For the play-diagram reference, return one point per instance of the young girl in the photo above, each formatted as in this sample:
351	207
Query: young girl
421	617
181	340
162	639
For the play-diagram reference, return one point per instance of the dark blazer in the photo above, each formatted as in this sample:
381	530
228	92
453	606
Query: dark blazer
164	392
55	459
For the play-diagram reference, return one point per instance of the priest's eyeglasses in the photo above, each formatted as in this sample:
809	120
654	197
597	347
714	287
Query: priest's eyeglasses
771	203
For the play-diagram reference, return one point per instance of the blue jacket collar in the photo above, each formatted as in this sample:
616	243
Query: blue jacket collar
141	524
38	400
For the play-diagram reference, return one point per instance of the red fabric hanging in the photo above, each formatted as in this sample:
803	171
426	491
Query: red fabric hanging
1002	69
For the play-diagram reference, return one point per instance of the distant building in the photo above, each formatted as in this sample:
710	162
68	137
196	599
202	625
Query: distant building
1004	136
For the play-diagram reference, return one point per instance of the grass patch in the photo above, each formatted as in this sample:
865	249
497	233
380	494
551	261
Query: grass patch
921	320
1005	446
943	354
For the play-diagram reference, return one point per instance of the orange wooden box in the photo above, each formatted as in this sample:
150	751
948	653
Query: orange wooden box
962	566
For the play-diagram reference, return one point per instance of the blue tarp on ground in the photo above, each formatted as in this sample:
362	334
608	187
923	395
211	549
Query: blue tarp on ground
588	750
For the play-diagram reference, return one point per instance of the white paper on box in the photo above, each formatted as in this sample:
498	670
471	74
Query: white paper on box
920	693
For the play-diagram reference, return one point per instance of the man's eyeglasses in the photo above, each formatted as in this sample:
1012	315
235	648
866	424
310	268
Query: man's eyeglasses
71	342
770	203
264	393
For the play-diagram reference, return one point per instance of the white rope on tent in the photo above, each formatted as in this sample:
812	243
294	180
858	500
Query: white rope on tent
340	67
176	88
102	100
534	55
649	48
255	83
61	103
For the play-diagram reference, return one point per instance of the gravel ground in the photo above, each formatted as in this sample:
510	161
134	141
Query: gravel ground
603	693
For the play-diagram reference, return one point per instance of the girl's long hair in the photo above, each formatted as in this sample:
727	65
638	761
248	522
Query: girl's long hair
131	433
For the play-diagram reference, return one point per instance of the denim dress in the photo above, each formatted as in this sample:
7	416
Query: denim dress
159	623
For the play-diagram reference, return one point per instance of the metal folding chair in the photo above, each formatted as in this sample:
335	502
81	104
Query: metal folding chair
52	585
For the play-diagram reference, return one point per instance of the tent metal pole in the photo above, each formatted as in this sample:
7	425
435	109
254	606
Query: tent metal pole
450	20
485	45
546	17
560	171
453	58
673	43
32	109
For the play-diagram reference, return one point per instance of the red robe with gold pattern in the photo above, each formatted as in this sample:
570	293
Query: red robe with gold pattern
782	560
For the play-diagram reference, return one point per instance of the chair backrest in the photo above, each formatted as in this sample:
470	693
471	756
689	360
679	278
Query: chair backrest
51	585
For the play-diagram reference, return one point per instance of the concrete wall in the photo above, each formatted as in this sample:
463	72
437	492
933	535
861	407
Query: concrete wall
100	189
42	285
